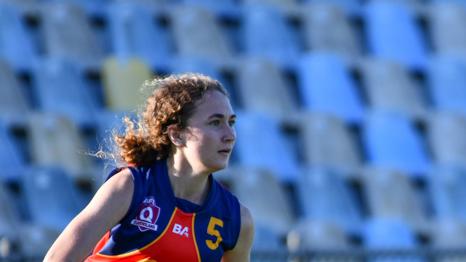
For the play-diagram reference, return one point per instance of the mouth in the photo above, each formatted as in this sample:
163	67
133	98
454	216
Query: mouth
225	151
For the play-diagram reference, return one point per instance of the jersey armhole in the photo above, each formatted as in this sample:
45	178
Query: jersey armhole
136	191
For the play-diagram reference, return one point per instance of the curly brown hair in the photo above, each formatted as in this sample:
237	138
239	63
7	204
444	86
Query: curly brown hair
172	102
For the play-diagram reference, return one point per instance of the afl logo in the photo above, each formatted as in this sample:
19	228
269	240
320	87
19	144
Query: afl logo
148	214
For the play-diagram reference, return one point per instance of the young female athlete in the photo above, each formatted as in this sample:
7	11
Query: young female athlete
165	204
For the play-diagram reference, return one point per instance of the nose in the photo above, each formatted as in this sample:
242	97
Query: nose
230	135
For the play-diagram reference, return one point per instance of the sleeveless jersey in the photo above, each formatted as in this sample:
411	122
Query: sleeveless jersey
159	227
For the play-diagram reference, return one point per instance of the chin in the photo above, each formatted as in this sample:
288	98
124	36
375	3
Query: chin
217	167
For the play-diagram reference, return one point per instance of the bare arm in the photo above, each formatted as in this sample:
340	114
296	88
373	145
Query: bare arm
108	206
242	250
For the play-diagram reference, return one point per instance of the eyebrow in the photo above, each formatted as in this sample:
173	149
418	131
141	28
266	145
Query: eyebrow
220	116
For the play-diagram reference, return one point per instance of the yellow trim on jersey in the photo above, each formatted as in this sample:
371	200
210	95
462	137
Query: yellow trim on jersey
146	246
194	238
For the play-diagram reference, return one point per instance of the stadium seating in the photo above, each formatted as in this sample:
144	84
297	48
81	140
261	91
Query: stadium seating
446	82
54	187
266	239
390	87
197	33
392	34
327	28
325	196
55	140
271	151
445	137
263	87
321	235
351	7
61	89
16	41
19	237
12	100
122	81
392	195
67	33
328	143
449	233
222	8
12	160
447	189
391	141
446	20
267	34
327	86
276	218
383	234
135	33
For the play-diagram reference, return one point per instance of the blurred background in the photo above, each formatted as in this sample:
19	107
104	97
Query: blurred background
351	116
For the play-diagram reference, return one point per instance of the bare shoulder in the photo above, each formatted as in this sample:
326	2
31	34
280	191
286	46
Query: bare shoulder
247	222
116	193
122	180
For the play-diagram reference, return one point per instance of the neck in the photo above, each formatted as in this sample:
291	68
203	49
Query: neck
186	183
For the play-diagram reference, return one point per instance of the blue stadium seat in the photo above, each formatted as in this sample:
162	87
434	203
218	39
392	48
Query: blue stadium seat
446	20
449	233
13	101
277	218
459	2
56	140
328	28
67	33
325	196
446	81
320	235
326	86
392	34
51	197
31	240
197	33
11	159
267	34
341	152
390	87
390	194
446	138
447	188
351	7
385	234
265	239
262	86
16	42
267	150
61	89
92	7
134	31
223	8
9	215
391	141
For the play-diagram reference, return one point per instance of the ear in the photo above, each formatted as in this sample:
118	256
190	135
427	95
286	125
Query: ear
175	135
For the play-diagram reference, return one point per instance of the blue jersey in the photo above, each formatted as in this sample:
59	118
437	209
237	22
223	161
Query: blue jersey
160	227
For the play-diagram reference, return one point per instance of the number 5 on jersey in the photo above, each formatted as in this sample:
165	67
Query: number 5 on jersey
212	229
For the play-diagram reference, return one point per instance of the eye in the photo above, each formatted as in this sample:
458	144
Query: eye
215	122
232	122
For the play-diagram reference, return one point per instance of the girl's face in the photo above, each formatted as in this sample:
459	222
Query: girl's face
210	135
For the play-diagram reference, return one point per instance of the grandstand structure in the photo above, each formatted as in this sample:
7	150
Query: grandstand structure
351	116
